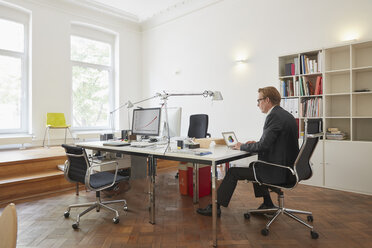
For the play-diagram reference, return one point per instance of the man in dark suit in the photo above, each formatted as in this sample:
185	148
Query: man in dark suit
278	144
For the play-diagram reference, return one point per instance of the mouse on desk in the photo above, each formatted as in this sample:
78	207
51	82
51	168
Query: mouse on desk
152	140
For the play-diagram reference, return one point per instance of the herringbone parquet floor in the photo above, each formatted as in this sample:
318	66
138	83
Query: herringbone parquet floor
342	220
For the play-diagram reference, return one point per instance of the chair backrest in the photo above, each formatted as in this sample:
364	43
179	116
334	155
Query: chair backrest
8	227
77	163
302	165
56	119
198	126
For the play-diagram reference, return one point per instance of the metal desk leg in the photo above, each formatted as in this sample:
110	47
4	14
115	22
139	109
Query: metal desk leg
151	175
214	205
195	183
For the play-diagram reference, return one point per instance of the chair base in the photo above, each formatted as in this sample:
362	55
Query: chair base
98	204
276	211
46	134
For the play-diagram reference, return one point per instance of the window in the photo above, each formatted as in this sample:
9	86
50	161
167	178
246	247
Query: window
92	78
13	71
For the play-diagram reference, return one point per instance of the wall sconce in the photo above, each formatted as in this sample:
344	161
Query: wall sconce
241	61
350	36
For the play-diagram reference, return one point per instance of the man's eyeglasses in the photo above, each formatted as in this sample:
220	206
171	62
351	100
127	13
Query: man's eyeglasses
260	99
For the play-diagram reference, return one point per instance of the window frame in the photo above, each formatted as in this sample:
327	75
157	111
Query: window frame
23	17
95	34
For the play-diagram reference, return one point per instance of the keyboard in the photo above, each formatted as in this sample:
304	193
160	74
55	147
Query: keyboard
116	143
141	144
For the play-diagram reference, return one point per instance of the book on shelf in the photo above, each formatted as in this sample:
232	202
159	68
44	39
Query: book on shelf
301	86
311	107
336	136
288	69
311	65
333	133
310	88
318	86
320	61
290	105
295	61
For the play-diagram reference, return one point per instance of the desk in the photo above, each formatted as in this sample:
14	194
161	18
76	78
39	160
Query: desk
220	155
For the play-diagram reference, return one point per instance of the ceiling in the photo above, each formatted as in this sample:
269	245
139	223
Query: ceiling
141	9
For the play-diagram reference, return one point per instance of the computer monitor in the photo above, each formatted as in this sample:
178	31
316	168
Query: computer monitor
174	122
146	121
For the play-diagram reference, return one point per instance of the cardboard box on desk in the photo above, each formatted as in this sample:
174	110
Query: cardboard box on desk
206	142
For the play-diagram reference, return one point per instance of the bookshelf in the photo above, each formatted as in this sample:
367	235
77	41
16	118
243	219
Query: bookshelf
345	96
300	87
344	102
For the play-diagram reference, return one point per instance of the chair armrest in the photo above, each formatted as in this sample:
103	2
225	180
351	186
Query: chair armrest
258	163
314	135
90	172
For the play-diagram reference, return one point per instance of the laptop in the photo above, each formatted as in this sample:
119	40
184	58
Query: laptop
230	139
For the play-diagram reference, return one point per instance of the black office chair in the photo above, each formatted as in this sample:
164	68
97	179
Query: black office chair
301	171
198	127
78	169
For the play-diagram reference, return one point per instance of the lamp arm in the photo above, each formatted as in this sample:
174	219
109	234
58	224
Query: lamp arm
205	93
144	100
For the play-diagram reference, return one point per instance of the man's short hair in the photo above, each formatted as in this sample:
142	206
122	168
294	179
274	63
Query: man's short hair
272	93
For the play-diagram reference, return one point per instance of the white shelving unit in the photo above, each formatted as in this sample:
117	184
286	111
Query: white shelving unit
347	105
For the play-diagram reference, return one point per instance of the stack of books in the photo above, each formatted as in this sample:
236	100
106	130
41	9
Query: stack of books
334	134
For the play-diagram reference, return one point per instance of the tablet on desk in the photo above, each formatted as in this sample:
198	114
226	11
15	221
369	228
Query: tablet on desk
230	139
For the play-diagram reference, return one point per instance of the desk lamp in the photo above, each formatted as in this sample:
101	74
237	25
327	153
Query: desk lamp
216	96
129	105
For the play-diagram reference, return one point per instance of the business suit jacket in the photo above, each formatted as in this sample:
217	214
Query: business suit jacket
278	144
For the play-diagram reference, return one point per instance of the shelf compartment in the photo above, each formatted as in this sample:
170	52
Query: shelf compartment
337	82
337	105
343	124
286	60
362	54
337	58
362	130
362	80
362	105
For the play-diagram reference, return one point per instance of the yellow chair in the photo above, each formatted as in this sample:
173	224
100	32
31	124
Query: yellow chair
8	227
56	121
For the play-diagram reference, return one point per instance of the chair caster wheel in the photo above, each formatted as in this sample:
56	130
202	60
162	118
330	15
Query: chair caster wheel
265	232
66	214
314	235
75	225
310	218
125	208
115	220
247	216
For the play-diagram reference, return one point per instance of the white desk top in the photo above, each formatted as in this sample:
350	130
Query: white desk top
219	152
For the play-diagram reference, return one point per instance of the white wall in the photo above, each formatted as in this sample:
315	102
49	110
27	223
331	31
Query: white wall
203	45
51	70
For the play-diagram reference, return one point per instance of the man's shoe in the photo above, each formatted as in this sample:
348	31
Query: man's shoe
264	206
207	211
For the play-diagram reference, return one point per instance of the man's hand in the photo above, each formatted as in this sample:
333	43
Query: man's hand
237	146
250	142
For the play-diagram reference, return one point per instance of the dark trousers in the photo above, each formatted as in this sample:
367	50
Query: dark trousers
227	187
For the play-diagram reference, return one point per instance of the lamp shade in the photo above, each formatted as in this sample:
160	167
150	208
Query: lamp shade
217	96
